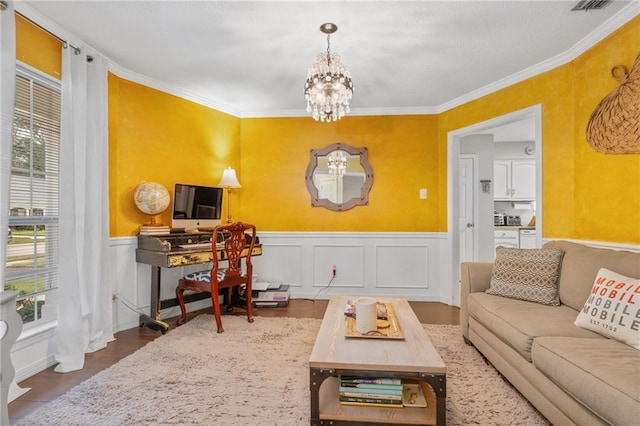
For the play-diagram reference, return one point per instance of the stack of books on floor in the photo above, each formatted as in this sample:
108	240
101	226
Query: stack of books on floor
271	295
371	391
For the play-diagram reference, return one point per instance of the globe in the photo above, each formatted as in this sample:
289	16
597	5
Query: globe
151	198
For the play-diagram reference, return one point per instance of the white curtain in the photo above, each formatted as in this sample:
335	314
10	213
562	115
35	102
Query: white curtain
7	95
84	302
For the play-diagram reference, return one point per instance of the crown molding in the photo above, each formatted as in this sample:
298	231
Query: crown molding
172	90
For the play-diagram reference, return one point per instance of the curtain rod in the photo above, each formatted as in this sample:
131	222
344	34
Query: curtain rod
65	44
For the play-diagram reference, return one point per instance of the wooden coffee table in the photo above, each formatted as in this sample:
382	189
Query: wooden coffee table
412	359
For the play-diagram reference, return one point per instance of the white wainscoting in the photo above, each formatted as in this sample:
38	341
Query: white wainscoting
393	264
416	266
409	265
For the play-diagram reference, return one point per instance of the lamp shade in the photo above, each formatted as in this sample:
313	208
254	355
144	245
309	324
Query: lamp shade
229	179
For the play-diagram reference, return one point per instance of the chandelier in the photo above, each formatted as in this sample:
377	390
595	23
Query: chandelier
337	163
328	88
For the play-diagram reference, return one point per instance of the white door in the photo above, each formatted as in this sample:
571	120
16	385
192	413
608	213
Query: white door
468	230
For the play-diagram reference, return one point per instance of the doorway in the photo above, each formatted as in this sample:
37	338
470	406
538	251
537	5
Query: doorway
453	186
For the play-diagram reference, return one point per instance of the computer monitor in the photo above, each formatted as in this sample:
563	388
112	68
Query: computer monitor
196	207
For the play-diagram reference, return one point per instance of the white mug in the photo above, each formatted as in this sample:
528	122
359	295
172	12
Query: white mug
366	315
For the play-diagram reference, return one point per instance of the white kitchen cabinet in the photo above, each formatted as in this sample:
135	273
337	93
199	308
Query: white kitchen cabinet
528	238
506	238
514	180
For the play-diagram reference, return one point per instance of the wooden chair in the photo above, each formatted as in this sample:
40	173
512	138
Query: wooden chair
228	242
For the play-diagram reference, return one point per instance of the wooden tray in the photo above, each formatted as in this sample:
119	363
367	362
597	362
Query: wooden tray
392	332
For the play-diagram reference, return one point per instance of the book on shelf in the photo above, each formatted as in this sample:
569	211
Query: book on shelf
372	380
371	386
390	397
371	400
348	389
372	404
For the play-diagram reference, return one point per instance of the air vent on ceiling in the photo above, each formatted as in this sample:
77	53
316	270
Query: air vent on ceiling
591	4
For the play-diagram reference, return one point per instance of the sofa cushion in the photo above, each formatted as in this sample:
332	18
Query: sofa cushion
611	309
601	373
580	265
517	322
527	274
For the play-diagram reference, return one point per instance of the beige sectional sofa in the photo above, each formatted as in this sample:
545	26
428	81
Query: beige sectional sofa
570	374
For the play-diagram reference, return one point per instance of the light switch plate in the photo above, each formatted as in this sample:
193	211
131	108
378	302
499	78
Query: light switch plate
423	193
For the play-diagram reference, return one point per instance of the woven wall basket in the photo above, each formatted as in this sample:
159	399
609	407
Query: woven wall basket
614	126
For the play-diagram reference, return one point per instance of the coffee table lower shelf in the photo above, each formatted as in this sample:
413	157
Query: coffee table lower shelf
331	412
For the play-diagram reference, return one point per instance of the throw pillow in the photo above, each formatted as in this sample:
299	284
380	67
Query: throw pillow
527	274
613	308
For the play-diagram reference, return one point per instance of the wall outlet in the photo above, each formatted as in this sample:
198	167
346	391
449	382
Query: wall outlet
423	193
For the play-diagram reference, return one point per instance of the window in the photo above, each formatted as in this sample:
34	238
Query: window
32	253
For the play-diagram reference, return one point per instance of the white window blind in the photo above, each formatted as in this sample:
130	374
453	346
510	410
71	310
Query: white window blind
32	253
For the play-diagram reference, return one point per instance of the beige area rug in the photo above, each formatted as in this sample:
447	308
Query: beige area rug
257	374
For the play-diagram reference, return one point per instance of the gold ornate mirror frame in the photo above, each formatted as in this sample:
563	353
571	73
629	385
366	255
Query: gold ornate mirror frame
362	199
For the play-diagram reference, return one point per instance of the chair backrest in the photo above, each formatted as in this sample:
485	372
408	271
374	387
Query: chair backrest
233	238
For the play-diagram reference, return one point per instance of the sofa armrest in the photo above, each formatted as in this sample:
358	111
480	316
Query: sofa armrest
475	277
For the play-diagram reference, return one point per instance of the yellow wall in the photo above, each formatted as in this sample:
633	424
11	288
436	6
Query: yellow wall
157	137
586	195
402	151
607	187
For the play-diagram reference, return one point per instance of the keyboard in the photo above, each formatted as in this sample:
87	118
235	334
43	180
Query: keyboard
196	246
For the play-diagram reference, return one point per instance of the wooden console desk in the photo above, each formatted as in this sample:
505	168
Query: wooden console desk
164	251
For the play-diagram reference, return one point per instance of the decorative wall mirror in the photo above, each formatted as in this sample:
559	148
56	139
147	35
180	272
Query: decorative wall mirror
339	177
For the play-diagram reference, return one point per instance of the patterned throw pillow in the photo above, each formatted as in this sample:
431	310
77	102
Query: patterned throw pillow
612	308
527	274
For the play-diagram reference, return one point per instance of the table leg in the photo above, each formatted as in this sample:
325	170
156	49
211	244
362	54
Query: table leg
439	384
316	377
153	320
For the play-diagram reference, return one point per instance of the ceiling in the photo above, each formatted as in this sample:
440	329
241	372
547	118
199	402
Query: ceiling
250	58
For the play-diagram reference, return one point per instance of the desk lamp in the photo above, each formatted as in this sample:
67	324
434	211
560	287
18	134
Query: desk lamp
228	181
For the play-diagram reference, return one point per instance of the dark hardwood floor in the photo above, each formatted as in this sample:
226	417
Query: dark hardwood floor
48	385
